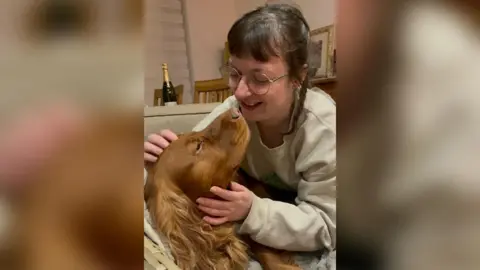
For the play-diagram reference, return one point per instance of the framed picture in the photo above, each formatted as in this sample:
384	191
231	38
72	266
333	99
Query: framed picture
226	54
322	52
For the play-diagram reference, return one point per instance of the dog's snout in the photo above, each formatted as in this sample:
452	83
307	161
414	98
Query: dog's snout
235	113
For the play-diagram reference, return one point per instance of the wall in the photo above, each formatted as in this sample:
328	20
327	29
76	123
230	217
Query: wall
209	21
244	6
208	24
318	13
166	42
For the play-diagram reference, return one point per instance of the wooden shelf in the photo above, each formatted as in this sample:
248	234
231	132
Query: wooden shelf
317	81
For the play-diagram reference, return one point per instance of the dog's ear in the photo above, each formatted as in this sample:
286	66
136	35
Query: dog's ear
150	189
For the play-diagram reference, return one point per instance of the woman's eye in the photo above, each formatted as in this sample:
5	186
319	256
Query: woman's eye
260	79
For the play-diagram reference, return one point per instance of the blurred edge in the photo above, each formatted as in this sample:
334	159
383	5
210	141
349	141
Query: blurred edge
84	54
408	125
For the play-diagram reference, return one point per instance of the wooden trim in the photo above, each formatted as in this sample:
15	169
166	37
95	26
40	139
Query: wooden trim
179	92
196	97
210	85
215	85
317	81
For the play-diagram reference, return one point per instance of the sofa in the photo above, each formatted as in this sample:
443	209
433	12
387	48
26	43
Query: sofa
179	119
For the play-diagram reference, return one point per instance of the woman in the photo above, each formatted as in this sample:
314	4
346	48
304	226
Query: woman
293	137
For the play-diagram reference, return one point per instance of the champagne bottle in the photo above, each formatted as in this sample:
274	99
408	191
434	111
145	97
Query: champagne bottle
168	91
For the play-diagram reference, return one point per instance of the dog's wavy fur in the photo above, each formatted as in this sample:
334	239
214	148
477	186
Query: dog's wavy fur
181	175
194	243
184	172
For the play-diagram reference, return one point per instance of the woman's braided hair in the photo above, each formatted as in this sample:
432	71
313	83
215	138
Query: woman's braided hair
276	30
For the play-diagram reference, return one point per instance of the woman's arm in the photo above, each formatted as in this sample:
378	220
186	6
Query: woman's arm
311	224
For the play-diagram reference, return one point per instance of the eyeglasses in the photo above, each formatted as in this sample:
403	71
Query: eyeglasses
257	82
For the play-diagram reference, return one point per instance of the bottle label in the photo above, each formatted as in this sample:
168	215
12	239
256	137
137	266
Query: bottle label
171	103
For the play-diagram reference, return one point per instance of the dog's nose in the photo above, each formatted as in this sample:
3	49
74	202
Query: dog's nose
235	113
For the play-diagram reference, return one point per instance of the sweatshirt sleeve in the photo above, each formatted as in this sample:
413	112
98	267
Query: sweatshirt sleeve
227	104
309	225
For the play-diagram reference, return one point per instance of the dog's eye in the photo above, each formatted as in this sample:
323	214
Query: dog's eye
199	146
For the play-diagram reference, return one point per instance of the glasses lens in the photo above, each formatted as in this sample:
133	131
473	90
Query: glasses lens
258	83
231	76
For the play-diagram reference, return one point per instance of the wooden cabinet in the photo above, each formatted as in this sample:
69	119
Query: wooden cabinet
329	85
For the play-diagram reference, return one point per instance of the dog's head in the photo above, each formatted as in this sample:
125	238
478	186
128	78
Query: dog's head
199	160
186	170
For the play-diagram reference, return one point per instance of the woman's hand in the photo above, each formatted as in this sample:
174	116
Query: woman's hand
236	206
156	143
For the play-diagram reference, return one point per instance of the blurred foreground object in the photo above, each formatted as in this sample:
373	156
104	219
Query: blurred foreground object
409	125
78	207
83	209
83	51
30	139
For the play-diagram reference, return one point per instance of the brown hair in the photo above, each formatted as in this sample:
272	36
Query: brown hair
275	30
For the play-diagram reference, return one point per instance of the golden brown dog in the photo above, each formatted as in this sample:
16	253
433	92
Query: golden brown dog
83	208
185	171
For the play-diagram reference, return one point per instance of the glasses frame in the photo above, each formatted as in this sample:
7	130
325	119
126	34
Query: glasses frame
270	80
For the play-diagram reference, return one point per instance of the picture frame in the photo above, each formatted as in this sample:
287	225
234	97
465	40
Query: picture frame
225	58
322	52
226	54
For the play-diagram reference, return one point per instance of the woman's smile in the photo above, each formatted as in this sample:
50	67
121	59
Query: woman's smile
250	105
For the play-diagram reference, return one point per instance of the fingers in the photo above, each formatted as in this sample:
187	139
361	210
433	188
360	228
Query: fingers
215	220
225	194
158	141
149	157
237	187
212	203
155	144
214	212
169	135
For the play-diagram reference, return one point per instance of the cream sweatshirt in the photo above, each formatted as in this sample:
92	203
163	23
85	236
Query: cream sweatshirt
305	163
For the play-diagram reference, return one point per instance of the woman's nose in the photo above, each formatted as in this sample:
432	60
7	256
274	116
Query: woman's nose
242	89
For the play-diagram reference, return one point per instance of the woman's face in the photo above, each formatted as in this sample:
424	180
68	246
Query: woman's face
263	89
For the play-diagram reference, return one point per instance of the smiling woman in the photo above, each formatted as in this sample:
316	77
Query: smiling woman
293	137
